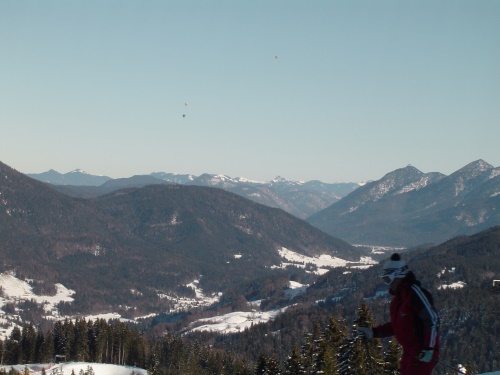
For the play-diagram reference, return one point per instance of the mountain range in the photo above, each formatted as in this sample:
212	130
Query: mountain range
404	208
407	208
299	198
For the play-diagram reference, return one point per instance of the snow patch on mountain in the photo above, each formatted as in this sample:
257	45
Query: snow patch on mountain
473	221
378	250
78	171
247	181
295	288
234	322
320	264
15	290
416	185
185	303
457	285
302	261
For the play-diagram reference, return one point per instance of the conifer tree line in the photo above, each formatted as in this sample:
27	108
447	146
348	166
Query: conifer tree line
337	350
334	349
115	343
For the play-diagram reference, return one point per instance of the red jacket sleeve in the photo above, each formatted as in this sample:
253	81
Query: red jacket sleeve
384	330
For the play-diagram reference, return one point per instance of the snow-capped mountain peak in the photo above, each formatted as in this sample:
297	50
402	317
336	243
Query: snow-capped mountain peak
81	171
278	180
472	170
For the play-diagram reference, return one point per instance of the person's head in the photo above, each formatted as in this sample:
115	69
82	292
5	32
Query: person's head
395	270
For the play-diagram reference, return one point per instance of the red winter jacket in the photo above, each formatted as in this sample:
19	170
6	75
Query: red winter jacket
414	321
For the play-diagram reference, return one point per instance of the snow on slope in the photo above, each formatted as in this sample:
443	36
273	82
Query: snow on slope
15	290
18	289
322	263
234	322
67	368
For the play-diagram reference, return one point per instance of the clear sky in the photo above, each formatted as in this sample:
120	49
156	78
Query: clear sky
334	90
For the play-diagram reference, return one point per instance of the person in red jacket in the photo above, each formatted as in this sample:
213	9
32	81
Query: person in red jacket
414	320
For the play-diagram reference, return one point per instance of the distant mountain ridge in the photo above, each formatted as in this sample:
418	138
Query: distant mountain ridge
301	199
408	208
77	177
404	208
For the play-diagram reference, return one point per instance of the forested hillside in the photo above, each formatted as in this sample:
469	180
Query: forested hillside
121	251
468	314
316	334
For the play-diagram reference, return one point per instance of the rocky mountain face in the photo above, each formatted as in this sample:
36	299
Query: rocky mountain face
407	207
301	199
124	250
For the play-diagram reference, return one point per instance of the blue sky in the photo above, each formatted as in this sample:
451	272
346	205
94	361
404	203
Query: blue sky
358	88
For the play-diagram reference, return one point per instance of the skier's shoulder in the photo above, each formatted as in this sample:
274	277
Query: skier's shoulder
420	294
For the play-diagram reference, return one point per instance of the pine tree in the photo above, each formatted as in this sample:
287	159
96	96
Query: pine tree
272	366
329	362
28	343
352	357
47	348
154	362
294	363
373	360
69	334
40	338
260	367
392	357
2	350
80	346
331	341
98	343
59	338
13	350
311	351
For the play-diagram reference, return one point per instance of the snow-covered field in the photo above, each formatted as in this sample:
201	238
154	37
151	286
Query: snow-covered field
21	290
234	322
321	264
15	290
67	368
